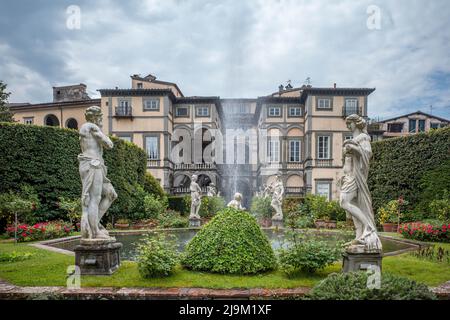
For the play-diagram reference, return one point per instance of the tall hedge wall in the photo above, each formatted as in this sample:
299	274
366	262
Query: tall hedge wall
46	158
399	164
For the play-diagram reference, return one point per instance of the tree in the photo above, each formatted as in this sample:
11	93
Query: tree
5	114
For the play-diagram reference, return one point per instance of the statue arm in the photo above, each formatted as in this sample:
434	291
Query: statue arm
99	135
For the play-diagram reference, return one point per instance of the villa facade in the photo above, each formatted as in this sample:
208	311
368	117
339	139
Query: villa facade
237	144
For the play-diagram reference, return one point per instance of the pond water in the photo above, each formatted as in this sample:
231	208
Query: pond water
276	238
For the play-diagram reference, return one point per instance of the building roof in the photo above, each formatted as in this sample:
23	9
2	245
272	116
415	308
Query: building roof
417	112
337	91
65	104
152	78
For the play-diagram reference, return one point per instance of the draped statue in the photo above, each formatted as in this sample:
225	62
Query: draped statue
196	199
277	198
355	196
97	190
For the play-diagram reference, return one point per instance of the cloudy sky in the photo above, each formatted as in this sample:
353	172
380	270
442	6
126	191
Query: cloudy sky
232	48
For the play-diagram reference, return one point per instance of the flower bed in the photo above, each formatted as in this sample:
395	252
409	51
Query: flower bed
426	232
40	231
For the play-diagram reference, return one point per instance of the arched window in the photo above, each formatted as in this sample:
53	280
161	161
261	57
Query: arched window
51	120
72	124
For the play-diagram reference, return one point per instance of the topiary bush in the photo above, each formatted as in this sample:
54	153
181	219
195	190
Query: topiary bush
354	286
157	256
231	242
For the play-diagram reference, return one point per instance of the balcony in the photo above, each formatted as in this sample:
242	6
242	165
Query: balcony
195	166
324	163
295	191
294	166
124	112
185	190
346	111
152	163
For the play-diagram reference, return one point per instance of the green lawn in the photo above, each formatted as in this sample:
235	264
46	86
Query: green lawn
47	268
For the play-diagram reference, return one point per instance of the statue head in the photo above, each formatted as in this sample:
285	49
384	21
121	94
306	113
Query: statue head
355	121
237	196
94	114
194	178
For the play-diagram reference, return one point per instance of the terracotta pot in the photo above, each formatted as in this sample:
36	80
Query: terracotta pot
121	225
265	222
320	223
390	227
331	224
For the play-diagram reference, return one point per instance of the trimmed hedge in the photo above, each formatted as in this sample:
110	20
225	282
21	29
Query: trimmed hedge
46	158
180	204
354	286
398	165
231	242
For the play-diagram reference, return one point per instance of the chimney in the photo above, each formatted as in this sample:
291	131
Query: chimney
280	88
335	85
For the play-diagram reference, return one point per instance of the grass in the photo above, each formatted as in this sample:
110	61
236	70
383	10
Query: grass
47	268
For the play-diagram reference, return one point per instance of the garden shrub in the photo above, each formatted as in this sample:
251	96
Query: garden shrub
435	185
152	186
425	232
306	254
440	208
354	286
261	207
210	206
399	165
40	231
46	158
290	204
231	242
172	219
23	203
157	256
154	206
15	256
182	204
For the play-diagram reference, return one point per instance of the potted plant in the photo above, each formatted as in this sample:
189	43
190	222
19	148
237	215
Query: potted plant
322	209
262	210
389	214
122	224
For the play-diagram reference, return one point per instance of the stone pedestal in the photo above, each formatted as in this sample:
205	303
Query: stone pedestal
356	261
277	223
194	222
98	256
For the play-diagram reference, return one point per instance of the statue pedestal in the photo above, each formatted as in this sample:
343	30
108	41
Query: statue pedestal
194	222
277	223
357	261
98	256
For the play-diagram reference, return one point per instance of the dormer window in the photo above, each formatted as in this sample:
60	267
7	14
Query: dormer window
140	85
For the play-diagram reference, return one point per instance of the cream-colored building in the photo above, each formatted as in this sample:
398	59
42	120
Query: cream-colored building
237	144
406	125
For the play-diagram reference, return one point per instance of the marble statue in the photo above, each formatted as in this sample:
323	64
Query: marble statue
355	196
196	192
236	203
97	190
277	190
212	191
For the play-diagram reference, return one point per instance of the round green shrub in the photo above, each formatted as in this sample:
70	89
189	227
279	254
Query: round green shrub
354	286
157	256
231	242
307	255
210	206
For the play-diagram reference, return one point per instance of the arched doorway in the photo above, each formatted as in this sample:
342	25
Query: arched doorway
51	120
72	124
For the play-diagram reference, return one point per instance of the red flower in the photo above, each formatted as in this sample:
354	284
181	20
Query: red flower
24	234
